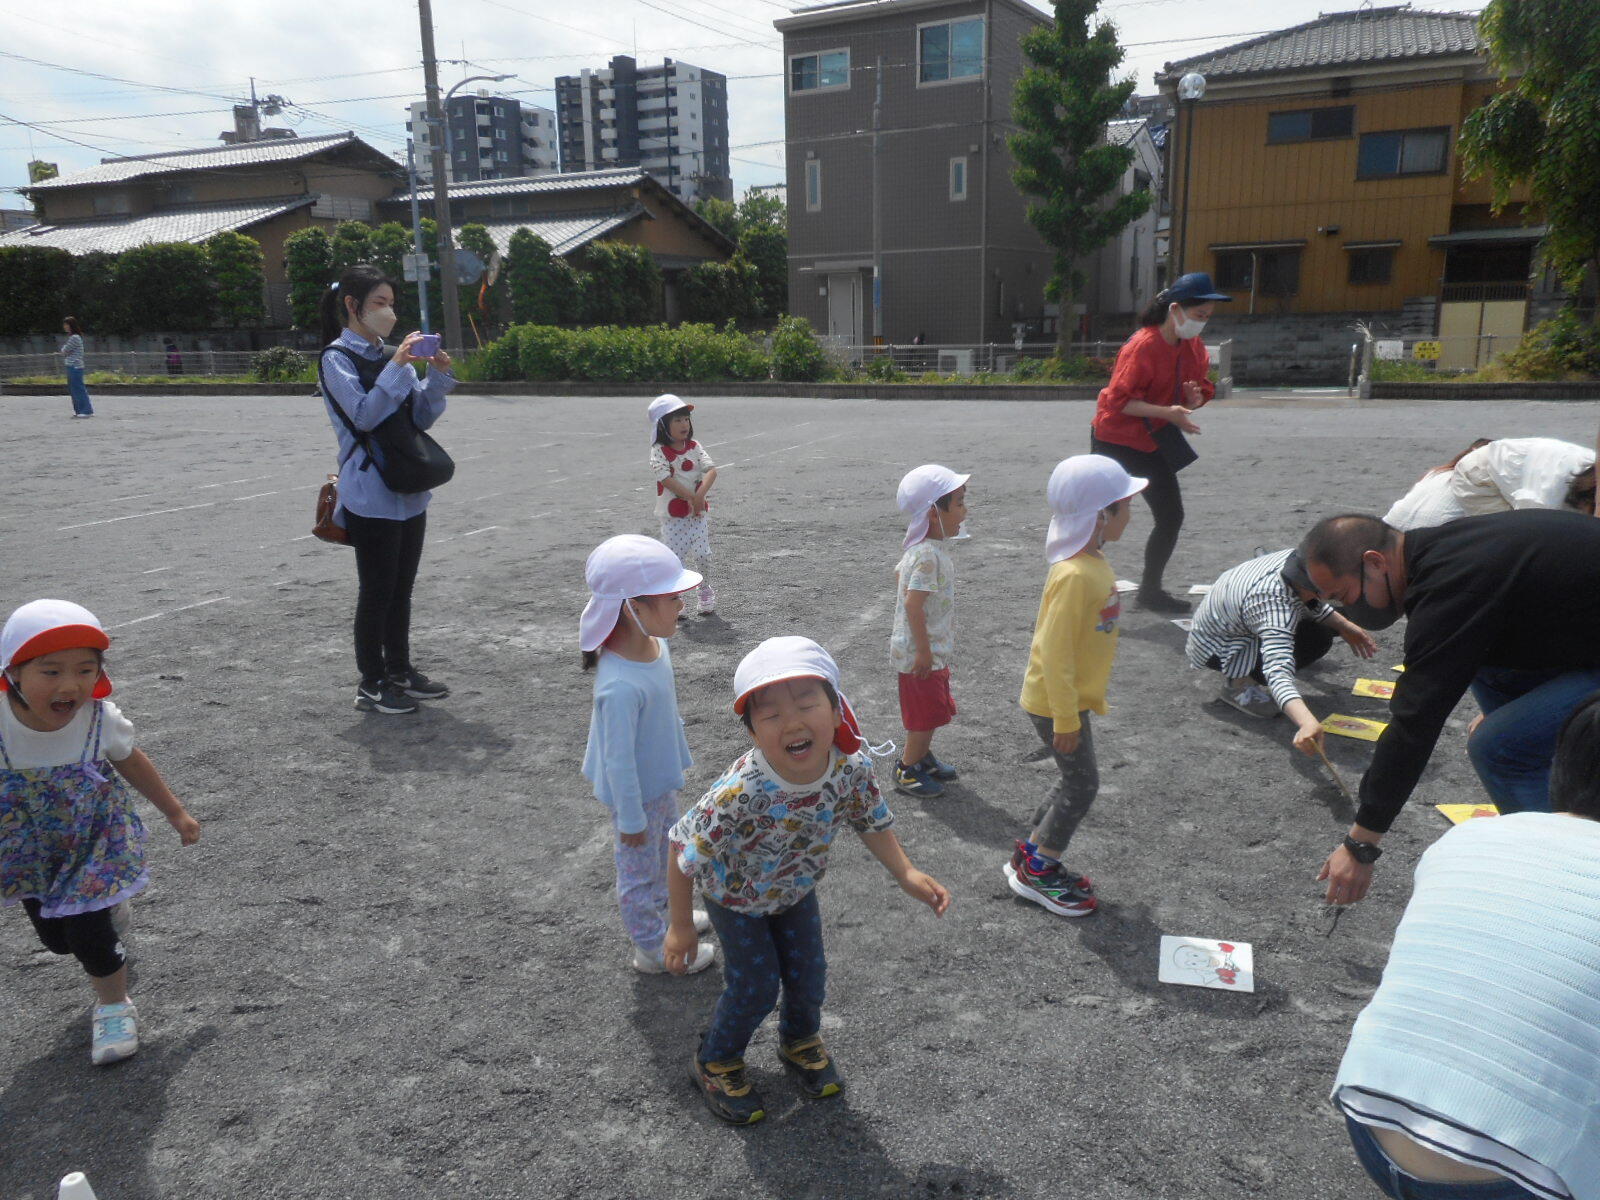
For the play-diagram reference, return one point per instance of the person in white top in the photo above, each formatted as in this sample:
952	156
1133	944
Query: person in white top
1497	476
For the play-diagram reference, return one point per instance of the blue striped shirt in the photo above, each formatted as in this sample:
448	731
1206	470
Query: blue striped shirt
72	352
363	492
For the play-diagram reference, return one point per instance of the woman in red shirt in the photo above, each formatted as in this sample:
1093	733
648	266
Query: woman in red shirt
1160	379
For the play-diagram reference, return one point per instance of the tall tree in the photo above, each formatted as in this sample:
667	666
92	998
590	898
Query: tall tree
238	275
721	214
1543	131
308	262
1061	105
541	288
764	243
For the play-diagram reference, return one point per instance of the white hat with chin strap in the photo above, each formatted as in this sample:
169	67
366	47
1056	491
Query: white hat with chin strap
920	490
620	569
1079	488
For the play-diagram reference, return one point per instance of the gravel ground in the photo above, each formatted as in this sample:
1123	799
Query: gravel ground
394	967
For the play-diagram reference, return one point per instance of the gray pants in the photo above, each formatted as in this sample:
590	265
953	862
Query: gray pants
1057	817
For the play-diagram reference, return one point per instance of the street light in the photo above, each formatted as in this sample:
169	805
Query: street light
441	149
1190	88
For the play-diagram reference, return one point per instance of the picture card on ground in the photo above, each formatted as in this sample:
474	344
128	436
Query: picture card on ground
1127	585
1380	688
1458	813
1353	727
1398	667
1202	962
1199	589
1184	623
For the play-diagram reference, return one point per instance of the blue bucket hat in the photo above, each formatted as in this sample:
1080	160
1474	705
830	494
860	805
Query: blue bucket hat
1194	288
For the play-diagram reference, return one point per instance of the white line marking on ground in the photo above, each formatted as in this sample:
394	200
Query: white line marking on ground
131	516
153	570
168	612
197	604
301	538
257	496
485	529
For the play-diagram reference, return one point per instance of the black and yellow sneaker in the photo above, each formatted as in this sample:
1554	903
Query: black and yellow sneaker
728	1093
808	1062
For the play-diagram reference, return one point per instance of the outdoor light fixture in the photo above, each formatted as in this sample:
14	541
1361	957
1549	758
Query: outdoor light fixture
1192	86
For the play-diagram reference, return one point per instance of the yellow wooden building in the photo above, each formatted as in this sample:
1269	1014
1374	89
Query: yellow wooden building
1323	175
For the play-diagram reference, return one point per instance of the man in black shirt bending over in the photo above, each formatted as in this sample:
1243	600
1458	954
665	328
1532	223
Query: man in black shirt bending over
1507	604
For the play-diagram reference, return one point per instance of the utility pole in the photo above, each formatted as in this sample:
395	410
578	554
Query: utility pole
416	232
441	183
877	209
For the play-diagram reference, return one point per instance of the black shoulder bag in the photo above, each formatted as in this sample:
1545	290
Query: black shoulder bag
1171	445
405	457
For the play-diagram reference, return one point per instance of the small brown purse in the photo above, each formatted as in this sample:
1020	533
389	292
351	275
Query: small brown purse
326	528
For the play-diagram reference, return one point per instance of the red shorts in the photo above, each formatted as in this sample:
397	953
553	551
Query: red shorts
926	704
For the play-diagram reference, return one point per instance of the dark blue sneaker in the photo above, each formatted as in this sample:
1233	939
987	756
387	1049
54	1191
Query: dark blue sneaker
916	780
417	685
938	768
809	1063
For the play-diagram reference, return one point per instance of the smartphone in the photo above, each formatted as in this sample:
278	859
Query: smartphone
425	346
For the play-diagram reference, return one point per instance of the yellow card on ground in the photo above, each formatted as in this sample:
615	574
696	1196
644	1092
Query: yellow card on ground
1380	688
1353	727
1398	667
1458	813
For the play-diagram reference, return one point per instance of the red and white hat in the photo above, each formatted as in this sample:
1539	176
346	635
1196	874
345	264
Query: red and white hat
46	626
780	658
919	490
664	405
621	568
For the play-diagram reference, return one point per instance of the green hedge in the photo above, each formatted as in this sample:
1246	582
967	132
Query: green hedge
625	354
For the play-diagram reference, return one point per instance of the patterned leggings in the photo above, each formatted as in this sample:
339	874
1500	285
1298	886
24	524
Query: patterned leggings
762	955
690	539
1057	817
642	876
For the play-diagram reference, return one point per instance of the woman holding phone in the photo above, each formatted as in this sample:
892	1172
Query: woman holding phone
363	382
1160	380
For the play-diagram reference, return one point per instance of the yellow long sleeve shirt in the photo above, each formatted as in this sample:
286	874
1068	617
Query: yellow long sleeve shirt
1074	642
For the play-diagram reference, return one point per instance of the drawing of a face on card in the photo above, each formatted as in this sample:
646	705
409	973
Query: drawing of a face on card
1458	813
1202	962
1353	727
1382	689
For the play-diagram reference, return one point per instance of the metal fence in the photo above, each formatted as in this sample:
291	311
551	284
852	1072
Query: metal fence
1408	357
131	362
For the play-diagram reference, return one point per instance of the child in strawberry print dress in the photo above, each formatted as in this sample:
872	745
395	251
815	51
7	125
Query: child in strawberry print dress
684	473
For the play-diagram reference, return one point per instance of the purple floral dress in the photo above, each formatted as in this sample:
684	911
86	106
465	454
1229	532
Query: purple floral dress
69	835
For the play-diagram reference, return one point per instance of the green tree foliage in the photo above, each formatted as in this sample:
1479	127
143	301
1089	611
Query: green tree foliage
238	277
765	246
722	214
1061	105
352	244
614	354
390	241
621	286
170	285
541	292
97	297
482	303
721	292
308	259
35	287
1543	131
796	354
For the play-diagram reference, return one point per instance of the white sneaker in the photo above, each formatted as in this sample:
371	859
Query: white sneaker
653	964
116	1032
708	599
1249	698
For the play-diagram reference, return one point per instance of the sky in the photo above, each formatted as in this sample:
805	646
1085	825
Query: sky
175	74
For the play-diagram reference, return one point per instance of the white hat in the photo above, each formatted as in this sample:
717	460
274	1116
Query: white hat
661	406
781	658
918	491
621	568
45	626
1080	487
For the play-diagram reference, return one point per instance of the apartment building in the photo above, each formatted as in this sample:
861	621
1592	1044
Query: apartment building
671	121
490	137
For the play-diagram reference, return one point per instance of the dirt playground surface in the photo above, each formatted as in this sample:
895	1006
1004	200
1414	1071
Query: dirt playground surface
393	967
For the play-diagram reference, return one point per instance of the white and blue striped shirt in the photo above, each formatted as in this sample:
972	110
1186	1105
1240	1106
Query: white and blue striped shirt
72	352
1247	621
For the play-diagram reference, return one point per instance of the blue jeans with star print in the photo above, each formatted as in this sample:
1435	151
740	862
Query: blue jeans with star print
761	956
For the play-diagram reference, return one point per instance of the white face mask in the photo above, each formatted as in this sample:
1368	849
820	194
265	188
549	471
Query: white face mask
1185	327
380	320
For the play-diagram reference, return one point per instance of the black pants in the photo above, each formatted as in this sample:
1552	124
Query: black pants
1161	494
88	937
387	554
1312	640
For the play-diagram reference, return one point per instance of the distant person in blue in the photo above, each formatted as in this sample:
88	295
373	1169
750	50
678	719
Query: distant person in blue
72	356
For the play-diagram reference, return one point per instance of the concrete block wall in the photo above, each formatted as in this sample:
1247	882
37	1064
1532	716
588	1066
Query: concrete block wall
1299	349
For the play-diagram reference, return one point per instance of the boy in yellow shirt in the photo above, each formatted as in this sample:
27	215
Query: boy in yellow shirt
1069	664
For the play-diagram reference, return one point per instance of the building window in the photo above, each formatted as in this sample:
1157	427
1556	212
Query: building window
499	110
499	134
1403	152
826	70
1270	271
813	185
502	156
950	50
1311	124
1371	264
958	178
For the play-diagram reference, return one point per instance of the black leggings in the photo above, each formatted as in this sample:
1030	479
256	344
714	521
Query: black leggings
1163	497
387	554
1312	640
88	937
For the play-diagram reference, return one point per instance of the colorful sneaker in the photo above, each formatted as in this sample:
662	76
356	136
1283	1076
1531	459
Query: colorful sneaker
1249	698
116	1033
727	1092
809	1063
417	685
383	697
1058	890
916	780
938	768
708	599
655	964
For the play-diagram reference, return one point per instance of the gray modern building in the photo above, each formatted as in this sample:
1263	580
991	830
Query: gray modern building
491	137
959	261
671	120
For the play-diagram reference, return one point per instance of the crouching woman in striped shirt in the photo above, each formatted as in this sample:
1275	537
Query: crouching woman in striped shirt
1261	623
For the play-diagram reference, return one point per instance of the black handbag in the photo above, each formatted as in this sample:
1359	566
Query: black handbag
405	457
1171	445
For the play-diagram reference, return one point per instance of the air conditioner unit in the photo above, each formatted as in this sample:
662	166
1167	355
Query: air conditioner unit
955	362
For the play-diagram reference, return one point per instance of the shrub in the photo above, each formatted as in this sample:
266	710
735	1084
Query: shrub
1564	347
308	261
881	369
1027	369
796	354
97	299
237	274
543	352
34	287
715	291
171	283
278	364
621	354
1402	370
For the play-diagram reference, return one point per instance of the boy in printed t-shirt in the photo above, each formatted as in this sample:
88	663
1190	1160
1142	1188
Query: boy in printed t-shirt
934	499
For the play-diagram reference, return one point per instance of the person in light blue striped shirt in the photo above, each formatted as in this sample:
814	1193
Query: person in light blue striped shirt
72	357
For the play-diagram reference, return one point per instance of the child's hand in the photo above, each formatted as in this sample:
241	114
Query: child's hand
927	889
1066	743
1308	738
922	664
682	942
188	828
697	505
633	839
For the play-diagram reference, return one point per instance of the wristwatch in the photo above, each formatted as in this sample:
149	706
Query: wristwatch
1365	853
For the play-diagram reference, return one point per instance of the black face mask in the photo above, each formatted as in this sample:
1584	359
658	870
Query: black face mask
1369	615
